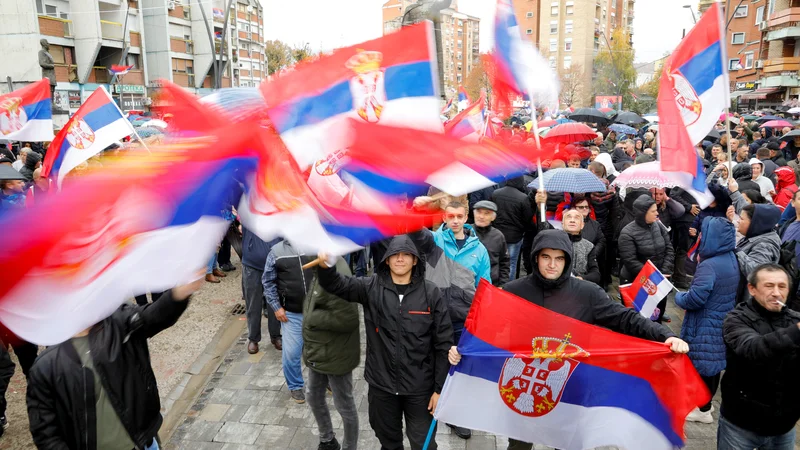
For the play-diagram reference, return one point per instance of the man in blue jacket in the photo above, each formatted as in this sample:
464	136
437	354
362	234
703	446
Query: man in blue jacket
710	298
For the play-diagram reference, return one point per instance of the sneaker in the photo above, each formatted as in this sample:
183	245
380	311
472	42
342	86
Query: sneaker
463	433
699	416
333	444
298	396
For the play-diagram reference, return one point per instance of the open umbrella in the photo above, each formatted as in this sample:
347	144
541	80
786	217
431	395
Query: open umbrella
569	180
649	175
605	110
776	124
790	135
795	110
8	173
652	118
623	129
763	119
564	120
590	115
734	120
546	123
628	118
568	133
749	117
158	123
712	135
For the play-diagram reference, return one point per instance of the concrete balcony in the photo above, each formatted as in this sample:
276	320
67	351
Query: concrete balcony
785	16
99	74
780	81
53	26
779	65
783	33
111	30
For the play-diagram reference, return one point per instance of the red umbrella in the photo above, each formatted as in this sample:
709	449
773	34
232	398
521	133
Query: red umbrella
566	152
547	123
776	124
567	133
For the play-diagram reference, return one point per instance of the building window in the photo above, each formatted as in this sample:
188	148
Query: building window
51	10
737	38
458	77
567	62
553	45
568	45
733	64
570	10
529	31
553	27
748	60
741	11
460	57
554	10
759	15
552	62
39	7
529	14
568	26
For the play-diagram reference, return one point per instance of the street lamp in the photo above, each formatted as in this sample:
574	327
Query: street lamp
689	7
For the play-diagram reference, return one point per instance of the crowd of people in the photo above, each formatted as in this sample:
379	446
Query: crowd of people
734	263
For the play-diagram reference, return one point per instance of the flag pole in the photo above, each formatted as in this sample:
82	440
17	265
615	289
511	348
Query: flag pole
728	141
141	141
430	434
535	128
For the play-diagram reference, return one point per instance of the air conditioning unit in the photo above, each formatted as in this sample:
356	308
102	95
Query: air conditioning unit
171	6
759	64
763	25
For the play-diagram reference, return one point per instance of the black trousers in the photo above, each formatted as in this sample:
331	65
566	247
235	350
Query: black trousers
6	372
224	255
386	412
26	354
712	383
141	300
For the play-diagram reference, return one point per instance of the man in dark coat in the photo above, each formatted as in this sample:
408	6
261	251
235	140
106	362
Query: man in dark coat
743	174
514	215
32	162
552	286
98	390
254	258
760	395
485	212
409	334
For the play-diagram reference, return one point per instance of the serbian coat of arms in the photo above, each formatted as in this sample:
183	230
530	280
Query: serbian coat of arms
80	134
12	115
367	85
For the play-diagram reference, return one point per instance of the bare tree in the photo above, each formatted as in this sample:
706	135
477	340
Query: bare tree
571	84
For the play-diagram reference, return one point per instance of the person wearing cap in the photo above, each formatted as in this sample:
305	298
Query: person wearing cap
485	212
765	186
776	154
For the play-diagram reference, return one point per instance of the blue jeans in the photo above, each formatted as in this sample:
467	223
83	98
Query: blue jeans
513	253
731	437
292	354
212	264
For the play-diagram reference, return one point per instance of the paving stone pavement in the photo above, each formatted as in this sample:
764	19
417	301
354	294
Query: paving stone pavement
246	405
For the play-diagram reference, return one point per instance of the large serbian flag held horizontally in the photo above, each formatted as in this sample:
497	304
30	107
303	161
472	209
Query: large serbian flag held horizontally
26	114
540	377
96	125
143	224
694	91
391	81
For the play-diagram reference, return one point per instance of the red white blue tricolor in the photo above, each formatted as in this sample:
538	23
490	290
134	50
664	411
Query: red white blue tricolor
647	289
26	114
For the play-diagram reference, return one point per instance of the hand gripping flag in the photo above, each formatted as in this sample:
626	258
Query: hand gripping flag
392	80
518	68
647	289
26	114
97	124
537	376
692	95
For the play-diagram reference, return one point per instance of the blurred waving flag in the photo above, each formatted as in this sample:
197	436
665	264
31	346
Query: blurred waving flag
119	70
448	106
463	98
97	124
391	80
563	383
26	114
518	67
694	91
469	123
144	223
381	157
647	289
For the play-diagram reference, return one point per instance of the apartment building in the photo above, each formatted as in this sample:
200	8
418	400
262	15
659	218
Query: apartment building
460	40
161	39
572	32
527	12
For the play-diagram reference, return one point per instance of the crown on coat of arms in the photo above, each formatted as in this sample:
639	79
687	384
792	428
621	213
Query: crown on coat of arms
10	104
365	61
564	348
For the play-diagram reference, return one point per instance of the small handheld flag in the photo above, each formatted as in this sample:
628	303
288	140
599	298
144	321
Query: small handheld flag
120	70
647	289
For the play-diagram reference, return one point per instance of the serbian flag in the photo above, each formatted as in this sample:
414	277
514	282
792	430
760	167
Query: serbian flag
96	125
26	114
463	98
469	123
388	160
120	70
563	383
647	289
448	106
518	68
391	80
692	95
144	223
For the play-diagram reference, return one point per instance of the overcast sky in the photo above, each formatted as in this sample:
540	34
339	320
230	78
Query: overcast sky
325	24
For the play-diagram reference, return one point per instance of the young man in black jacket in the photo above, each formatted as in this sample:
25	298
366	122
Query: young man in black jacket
408	336
514	215
552	286
98	390
760	397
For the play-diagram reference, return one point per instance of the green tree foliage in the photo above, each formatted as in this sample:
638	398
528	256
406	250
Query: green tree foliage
302	52
614	73
279	56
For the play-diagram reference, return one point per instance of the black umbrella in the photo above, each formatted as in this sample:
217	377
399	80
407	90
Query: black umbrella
628	118
791	135
8	173
590	115
712	135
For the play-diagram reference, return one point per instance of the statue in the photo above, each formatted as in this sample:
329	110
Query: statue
430	10
48	66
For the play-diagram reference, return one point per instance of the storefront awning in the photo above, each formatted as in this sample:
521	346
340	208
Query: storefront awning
761	94
736	94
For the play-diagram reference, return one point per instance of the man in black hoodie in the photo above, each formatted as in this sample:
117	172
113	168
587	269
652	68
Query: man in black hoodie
743	174
514	215
32	162
552	286
408	337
